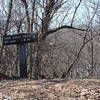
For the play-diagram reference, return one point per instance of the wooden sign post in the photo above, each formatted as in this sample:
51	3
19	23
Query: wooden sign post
22	60
21	40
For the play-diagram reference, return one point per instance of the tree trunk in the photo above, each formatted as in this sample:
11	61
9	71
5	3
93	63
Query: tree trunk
38	60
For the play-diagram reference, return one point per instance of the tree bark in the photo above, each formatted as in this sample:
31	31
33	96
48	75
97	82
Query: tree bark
38	60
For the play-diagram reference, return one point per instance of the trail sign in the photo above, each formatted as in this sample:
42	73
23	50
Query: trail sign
21	40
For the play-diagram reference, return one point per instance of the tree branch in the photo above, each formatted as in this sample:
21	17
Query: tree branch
71	65
59	28
8	18
75	12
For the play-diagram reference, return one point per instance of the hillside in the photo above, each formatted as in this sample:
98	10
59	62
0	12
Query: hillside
52	89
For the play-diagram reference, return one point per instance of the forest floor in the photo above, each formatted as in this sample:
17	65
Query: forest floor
50	89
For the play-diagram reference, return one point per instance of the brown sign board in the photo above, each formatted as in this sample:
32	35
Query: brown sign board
19	38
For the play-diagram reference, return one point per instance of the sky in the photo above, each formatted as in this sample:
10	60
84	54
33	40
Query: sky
80	16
